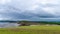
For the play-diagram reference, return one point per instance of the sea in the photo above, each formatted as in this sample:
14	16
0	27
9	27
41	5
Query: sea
7	24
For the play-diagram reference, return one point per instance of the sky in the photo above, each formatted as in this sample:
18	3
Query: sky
30	9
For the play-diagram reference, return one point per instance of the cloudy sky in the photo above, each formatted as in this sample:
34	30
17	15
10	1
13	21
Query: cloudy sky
30	9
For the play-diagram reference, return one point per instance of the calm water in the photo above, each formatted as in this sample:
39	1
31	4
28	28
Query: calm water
6	24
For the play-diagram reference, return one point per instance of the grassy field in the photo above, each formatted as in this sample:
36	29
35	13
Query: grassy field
31	30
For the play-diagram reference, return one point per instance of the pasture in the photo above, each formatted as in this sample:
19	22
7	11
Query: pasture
43	29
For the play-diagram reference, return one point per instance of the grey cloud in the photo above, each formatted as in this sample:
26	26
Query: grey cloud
18	9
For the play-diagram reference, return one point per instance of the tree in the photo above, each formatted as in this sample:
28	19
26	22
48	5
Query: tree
24	23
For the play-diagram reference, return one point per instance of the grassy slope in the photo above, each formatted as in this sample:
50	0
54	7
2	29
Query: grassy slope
31	30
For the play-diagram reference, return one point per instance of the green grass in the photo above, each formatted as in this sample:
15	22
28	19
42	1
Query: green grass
31	30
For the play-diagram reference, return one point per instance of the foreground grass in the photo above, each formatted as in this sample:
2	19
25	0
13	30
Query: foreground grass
31	30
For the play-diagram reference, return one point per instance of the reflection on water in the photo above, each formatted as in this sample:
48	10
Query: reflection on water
6	24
